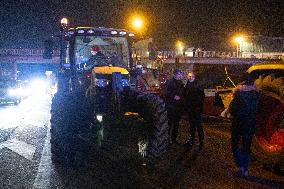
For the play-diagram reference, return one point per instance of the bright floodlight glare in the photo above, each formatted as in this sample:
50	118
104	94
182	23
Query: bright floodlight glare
48	73
38	86
180	46
13	92
99	117
239	39
64	21
137	23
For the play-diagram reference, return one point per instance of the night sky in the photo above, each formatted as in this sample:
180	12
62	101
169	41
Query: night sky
200	23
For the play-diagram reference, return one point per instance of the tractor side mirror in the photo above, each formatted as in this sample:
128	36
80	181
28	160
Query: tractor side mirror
48	49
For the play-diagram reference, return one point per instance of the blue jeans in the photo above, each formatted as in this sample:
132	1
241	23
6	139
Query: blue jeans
241	148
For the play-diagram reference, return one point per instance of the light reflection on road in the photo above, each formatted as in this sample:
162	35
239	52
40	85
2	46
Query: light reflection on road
28	112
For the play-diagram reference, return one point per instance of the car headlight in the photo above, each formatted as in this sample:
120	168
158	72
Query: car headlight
12	92
101	82
125	82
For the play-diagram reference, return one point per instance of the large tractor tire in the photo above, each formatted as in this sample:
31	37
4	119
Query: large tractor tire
268	143
69	118
154	140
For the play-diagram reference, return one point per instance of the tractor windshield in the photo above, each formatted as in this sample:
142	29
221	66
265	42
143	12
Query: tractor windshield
101	51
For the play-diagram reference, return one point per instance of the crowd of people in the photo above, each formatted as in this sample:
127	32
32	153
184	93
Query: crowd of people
188	99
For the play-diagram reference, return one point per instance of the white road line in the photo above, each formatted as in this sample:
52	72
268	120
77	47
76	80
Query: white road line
19	147
45	169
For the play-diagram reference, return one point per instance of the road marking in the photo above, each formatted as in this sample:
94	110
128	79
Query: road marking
19	147
46	169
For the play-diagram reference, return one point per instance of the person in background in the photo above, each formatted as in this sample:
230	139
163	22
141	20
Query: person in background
194	100
243	109
174	98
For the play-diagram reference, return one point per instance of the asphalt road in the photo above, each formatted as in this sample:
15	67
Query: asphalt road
22	133
25	159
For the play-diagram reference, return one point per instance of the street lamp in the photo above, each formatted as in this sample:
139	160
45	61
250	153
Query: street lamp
239	40
180	46
138	24
63	27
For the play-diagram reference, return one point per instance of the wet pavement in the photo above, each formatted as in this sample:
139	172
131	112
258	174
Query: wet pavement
25	159
22	131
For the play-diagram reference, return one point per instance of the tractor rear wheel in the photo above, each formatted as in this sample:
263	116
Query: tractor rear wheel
268	142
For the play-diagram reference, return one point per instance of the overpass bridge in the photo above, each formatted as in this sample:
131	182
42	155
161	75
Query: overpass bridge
26	56
30	61
25	63
214	60
35	56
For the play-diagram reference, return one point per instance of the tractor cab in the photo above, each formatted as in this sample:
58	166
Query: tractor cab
93	53
98	47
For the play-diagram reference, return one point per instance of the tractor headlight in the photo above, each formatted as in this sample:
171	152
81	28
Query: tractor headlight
99	117
125	82
101	82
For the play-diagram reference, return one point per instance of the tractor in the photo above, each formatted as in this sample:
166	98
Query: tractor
97	103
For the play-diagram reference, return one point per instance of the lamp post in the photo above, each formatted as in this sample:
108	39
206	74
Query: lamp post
63	26
239	41
180	47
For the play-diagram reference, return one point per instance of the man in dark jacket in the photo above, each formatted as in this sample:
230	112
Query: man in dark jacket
243	109
173	98
194	99
97	58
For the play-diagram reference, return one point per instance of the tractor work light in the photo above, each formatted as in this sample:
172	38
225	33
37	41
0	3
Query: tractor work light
99	117
101	82
125	82
64	21
71	32
131	35
122	33
81	31
90	31
113	32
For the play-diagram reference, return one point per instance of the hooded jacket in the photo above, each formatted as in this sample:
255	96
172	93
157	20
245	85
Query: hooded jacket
244	108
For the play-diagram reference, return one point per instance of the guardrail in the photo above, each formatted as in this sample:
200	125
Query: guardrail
24	52
199	54
216	54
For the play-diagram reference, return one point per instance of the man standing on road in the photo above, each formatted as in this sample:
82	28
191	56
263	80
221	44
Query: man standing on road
174	98
243	109
194	99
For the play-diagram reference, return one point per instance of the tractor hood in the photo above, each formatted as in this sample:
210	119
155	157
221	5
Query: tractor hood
109	70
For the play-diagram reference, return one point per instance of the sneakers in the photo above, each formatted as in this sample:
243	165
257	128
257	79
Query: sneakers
242	172
245	173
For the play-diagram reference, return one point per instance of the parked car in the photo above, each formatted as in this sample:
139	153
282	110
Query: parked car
10	91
